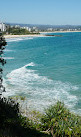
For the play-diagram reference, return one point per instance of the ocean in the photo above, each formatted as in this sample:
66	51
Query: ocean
44	70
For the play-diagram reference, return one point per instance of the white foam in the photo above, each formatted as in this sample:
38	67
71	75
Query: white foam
8	57
40	90
8	50
30	64
18	39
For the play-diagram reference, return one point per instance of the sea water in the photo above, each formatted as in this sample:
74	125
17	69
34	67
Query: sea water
45	70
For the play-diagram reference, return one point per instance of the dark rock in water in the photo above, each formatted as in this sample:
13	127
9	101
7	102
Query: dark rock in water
53	35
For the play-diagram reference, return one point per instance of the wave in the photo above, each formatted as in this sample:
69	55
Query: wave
39	90
18	39
8	57
8	50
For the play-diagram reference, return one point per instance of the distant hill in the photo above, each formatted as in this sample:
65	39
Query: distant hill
41	26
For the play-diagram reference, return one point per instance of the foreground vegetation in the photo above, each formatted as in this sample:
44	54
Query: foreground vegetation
13	124
60	122
57	121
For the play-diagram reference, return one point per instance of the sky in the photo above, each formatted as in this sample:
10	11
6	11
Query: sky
53	12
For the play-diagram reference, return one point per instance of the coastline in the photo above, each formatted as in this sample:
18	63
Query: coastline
45	53
42	34
19	36
58	32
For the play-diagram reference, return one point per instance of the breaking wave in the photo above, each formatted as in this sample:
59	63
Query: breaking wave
39	90
18	39
8	58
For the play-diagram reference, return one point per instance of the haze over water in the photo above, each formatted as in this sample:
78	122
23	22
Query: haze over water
45	69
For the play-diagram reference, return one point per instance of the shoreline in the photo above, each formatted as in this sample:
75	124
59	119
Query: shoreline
42	34
58	32
19	36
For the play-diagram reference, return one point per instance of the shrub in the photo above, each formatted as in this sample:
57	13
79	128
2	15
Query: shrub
60	122
13	124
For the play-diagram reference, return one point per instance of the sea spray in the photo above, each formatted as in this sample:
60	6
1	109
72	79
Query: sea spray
39	90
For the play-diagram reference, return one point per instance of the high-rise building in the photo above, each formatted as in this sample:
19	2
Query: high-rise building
2	27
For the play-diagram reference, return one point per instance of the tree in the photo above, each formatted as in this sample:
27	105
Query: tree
9	110
2	61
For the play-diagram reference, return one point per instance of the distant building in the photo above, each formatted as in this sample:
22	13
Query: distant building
29	29
17	26
35	29
2	27
50	29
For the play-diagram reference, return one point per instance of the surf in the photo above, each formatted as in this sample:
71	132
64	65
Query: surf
39	91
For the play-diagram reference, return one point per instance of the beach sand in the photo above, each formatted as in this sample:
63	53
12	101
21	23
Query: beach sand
58	32
19	36
42	34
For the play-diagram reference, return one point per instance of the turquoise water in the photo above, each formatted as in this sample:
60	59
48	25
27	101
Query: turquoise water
44	70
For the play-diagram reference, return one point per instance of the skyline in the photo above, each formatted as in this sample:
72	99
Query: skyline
53	12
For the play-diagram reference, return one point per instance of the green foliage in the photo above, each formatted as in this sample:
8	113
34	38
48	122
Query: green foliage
60	122
57	121
18	31
2	61
15	98
9	112
13	124
34	119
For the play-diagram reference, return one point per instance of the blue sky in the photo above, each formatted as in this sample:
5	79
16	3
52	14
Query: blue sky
55	12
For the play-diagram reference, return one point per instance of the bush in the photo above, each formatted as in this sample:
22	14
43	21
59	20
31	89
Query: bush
60	122
9	115
57	121
13	124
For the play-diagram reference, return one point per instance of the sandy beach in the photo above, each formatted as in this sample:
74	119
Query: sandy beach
58	32
19	36
42	34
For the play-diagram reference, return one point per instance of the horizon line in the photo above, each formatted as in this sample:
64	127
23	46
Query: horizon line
42	24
